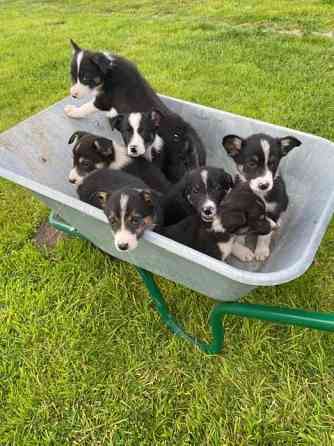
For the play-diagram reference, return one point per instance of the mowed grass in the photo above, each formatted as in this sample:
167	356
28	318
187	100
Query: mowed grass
84	357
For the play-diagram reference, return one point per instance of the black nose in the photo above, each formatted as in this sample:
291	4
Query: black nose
208	210
74	96
263	186
123	246
133	149
72	181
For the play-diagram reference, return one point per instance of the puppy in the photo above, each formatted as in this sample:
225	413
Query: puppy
200	191
240	212
257	158
139	133
130	206
92	152
165	139
118	87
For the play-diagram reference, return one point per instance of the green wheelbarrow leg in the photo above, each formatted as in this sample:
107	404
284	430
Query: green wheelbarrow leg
308	319
316	320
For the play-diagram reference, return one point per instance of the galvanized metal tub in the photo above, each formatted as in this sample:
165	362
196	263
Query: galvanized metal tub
35	155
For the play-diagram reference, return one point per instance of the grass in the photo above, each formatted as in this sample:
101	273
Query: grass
84	359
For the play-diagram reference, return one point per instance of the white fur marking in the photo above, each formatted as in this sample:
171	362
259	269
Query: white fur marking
121	158
217	225
74	176
242	253
204	175
226	248
80	112
112	112
136	140
262	250
157	145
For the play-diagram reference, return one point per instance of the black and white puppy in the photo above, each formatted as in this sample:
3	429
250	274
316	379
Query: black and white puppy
91	152
165	139
200	191
130	206
240	212
115	83
139	133
257	159
118	87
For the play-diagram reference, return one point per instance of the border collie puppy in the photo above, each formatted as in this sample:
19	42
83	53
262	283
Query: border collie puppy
257	158
91	152
240	212
200	191
139	133
130	206
118	87
165	139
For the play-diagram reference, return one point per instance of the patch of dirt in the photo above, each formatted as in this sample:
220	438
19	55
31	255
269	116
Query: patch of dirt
47	237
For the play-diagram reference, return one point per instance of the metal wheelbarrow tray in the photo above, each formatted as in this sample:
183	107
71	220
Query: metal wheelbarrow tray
35	155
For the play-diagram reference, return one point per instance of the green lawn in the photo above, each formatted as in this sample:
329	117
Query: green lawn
84	360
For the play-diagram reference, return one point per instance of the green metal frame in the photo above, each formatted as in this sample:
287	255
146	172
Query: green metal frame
288	316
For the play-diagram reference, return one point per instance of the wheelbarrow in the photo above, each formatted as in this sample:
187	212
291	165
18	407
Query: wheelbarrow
35	154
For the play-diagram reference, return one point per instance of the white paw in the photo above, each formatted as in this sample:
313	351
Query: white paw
246	255
225	254
72	111
262	254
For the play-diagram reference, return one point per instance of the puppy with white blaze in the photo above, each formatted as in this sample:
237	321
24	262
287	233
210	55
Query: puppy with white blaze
93	152
130	206
240	212
118	87
257	159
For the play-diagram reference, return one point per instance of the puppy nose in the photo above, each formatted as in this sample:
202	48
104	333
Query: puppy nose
208	210
263	186
133	149
123	246
74	95
71	180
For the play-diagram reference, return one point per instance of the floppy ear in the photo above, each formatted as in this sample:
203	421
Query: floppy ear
101	61
227	181
147	196
102	197
75	47
288	143
105	147
234	220
232	144
76	136
156	117
116	121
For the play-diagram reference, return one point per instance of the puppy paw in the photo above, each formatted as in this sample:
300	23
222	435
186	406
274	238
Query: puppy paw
242	253
72	111
262	254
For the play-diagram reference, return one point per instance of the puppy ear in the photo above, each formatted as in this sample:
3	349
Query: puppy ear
76	136
75	47
156	117
232	144
102	197
116	121
147	196
104	147
288	143
101	61
227	181
234	220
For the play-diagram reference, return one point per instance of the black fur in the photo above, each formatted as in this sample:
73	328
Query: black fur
189	195
92	152
119	85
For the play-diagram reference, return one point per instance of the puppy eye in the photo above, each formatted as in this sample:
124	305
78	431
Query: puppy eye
195	190
216	187
85	163
176	137
113	221
135	220
251	164
272	164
